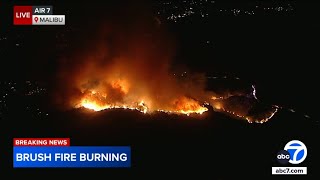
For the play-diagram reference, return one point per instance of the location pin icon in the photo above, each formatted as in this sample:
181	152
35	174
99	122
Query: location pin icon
36	19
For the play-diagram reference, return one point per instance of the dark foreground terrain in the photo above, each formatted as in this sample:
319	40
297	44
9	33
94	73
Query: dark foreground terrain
211	145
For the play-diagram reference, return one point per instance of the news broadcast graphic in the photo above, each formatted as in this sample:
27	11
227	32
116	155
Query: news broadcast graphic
41	141
36	15
56	153
294	152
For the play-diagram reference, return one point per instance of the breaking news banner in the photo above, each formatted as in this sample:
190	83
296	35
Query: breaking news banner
57	153
36	15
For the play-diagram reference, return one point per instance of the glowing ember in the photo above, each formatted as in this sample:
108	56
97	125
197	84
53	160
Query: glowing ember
144	108
217	106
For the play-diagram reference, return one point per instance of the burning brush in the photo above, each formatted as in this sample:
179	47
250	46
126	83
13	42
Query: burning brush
239	105
133	71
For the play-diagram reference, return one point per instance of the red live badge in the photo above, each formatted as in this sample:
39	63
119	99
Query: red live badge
22	15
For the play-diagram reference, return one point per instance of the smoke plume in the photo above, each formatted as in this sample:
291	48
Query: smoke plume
127	63
124	64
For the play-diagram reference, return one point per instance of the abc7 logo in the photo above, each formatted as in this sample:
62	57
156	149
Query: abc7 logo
295	152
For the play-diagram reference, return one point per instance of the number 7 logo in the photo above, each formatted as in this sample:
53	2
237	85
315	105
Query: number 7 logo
297	151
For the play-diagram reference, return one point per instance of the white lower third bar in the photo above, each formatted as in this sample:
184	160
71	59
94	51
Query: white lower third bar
48	19
289	170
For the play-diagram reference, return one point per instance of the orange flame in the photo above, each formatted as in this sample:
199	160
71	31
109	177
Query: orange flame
95	101
186	105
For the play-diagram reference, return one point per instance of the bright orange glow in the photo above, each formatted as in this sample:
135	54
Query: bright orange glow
187	106
121	85
214	98
95	101
92	105
217	105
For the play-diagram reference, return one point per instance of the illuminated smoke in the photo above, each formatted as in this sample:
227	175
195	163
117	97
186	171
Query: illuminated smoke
128	65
